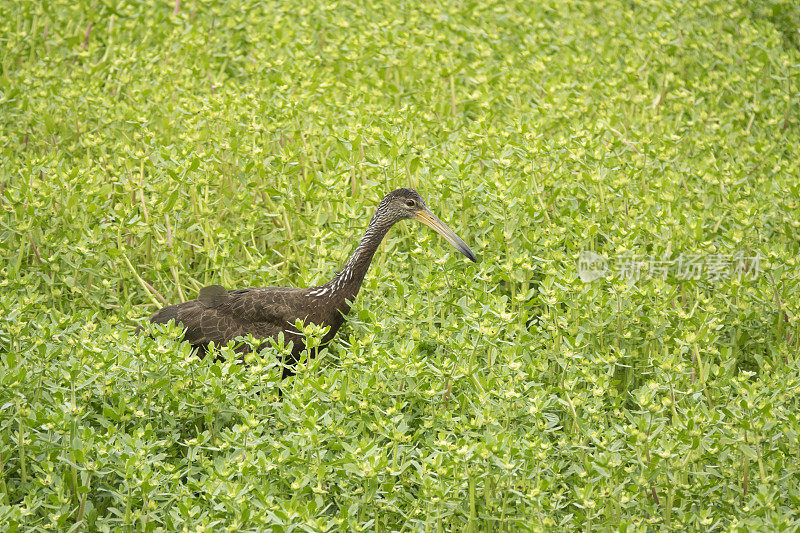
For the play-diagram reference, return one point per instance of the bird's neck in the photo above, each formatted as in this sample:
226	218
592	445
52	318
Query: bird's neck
347	282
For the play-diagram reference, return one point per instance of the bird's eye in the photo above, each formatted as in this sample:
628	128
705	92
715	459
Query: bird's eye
411	203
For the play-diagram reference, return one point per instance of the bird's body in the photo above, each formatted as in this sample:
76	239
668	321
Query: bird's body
262	312
220	316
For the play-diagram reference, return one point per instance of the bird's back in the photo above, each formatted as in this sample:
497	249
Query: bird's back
219	316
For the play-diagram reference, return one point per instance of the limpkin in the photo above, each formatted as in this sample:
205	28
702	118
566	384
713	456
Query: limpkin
219	315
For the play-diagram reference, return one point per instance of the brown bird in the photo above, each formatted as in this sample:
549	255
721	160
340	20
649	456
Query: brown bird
219	315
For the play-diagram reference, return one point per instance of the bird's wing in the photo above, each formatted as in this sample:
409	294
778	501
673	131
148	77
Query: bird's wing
219	316
269	304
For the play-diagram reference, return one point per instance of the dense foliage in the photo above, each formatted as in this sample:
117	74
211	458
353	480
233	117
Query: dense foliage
148	149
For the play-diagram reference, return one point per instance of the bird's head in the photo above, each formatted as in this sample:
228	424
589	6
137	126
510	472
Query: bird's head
407	203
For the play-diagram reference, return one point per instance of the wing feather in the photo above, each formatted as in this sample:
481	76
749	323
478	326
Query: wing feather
220	316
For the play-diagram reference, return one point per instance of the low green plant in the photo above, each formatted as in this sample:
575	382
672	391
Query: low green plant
148	150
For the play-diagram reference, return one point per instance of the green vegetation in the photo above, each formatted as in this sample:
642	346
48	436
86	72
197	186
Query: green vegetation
147	151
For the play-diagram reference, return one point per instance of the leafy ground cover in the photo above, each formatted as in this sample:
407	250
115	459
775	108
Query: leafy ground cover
150	149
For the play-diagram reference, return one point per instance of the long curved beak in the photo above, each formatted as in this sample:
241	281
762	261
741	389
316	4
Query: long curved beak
425	216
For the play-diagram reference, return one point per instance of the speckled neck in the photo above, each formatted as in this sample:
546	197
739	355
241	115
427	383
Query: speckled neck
347	282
